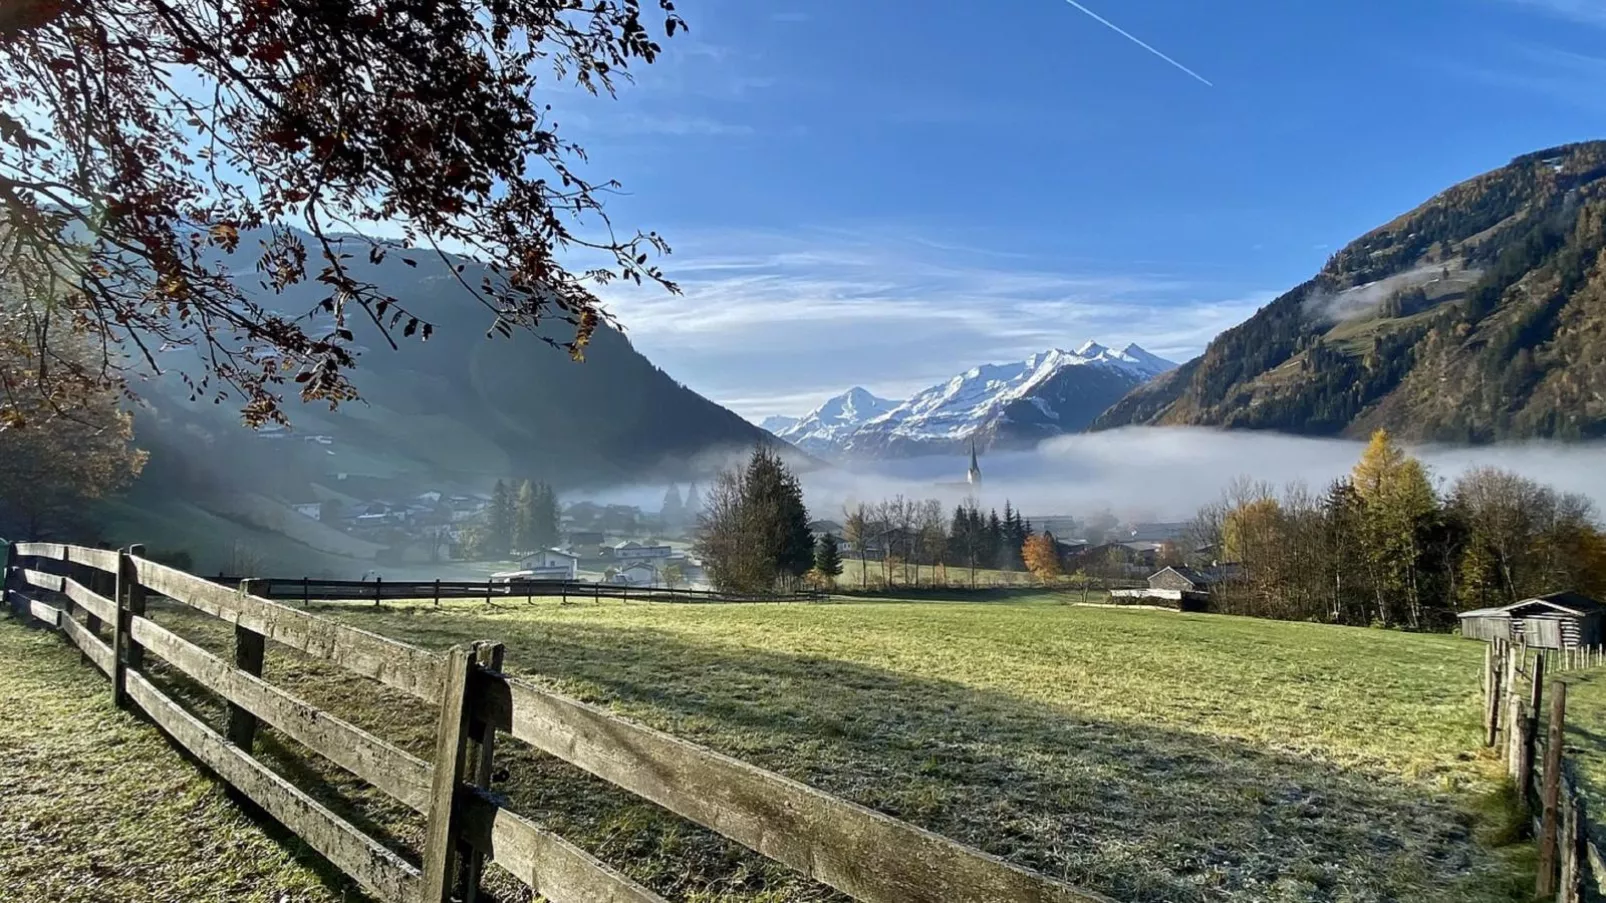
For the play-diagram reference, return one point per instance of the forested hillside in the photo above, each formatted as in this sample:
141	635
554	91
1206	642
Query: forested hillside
1480	315
471	406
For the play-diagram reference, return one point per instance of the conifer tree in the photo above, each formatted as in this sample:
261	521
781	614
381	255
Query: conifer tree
828	557
524	539
499	522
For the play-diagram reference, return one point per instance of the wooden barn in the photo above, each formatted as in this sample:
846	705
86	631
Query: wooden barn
1556	621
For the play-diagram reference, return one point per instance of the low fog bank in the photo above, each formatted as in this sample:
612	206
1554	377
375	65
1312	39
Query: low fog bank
1167	473
1139	473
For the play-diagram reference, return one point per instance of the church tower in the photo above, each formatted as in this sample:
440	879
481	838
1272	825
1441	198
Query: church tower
973	476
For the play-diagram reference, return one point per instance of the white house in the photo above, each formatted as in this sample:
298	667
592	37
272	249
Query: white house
638	573
313	510
551	564
630	550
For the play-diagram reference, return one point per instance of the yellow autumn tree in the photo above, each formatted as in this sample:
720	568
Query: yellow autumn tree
1041	554
1398	503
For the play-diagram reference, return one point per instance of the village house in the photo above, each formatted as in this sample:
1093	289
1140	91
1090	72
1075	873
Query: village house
550	564
636	573
630	550
313	510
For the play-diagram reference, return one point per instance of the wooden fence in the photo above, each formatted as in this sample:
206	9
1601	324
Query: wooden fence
1532	740
308	589
865	854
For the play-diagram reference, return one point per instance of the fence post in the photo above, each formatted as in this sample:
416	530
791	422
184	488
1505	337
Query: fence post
378	591
1491	708
437	592
1516	737
487	591
128	596
249	647
306	593
451	748
480	752
1572	827
1545	884
11	570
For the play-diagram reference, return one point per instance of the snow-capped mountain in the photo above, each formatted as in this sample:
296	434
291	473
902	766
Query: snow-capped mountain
777	424
1014	404
825	428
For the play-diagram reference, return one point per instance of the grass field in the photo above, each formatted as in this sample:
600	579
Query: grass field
96	806
1148	755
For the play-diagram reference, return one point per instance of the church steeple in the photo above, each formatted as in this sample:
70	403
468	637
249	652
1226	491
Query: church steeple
973	476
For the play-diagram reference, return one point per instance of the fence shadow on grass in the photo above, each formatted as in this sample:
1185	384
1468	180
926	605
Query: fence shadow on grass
1138	812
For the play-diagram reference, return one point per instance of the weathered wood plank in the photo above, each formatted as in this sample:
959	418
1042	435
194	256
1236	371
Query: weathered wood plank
395	664
451	754
394	771
553	867
104	560
43	580
97	605
47	614
93	647
863	853
52	550
376	868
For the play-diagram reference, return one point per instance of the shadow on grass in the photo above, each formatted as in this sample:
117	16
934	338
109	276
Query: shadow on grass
1140	813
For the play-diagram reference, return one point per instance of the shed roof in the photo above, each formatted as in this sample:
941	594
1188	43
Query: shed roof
1562	603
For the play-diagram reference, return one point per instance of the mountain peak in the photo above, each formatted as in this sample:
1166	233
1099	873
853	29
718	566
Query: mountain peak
1090	348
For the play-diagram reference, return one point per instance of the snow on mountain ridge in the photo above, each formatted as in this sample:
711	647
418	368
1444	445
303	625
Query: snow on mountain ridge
978	400
825	426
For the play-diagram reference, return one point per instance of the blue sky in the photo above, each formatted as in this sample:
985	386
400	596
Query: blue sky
885	192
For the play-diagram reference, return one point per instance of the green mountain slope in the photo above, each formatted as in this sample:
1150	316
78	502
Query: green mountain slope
453	414
1478	316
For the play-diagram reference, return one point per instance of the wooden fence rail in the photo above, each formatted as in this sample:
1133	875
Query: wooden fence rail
858	851
1571	867
307	589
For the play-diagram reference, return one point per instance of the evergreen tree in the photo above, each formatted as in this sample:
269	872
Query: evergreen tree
673	513
755	531
545	519
693	506
827	557
994	543
524	539
498	540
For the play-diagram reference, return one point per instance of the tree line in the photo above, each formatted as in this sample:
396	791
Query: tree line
517	522
754	535
1383	546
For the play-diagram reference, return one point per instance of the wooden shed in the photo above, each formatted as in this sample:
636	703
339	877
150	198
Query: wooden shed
1563	620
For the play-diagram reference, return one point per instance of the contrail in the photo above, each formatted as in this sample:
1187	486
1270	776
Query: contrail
1134	39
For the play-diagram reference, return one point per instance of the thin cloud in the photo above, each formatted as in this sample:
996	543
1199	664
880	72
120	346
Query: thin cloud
768	321
1562	75
1589	12
1136	40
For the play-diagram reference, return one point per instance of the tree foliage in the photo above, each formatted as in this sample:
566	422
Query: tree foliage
151	149
534	518
828	557
1382	547
753	533
497	539
1042	557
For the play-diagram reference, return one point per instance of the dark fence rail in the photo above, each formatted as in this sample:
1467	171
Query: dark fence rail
865	854
311	589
